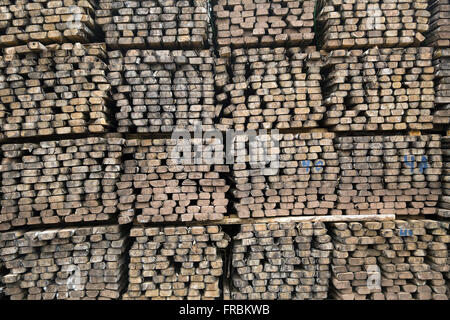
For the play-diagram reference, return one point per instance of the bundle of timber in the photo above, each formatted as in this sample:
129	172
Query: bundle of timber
269	88
297	174
176	263
55	181
281	261
354	260
69	263
47	21
439	32
54	89
437	239
441	63
379	89
372	23
154	24
392	260
165	180
389	174
444	204
253	23
159	90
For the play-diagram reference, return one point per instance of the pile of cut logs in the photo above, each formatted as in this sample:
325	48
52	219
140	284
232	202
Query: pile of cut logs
154	24
270	88
176	263
67	263
390	260
300	181
379	89
166	180
281	261
47	21
389	174
372	23
439	32
252	23
444	204
156	91
54	89
441	63
55	181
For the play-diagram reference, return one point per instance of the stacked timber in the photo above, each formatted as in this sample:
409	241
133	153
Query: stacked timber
392	260
176	263
52	21
67	263
372	23
444	204
441	63
269	88
59	181
379	89
290	174
439	32
260	23
354	260
272	261
438	238
389	174
54	89
166	180
154	24
2	273
160	90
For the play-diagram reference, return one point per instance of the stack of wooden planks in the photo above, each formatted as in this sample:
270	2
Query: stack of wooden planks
159	90
154	24
269	88
59	181
392	260
176	262
444	204
300	180
54	89
372	23
441	63
355	259
285	261
53	21
439	32
261	23
65	263
389	174
379	89
165	180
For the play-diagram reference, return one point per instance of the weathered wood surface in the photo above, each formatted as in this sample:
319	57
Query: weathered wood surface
441	62
59	181
54	89
268	88
162	181
379	89
389	174
86	263
372	23
281	261
154	24
160	90
54	21
176	263
438	34
261	23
